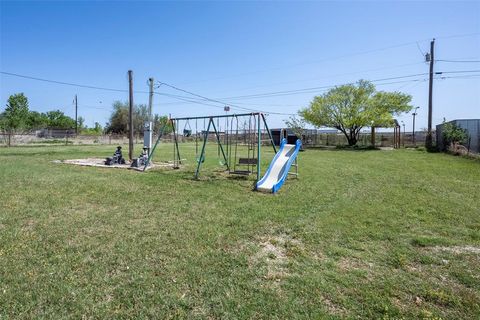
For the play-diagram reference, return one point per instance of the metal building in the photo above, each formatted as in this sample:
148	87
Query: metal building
473	129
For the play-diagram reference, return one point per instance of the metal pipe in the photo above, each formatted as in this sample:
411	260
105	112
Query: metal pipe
259	142
220	145
219	116
155	146
202	154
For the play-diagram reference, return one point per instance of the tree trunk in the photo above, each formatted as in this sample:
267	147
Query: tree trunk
352	140
351	137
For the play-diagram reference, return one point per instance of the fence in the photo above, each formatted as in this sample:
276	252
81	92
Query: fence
382	139
472	128
311	139
66	139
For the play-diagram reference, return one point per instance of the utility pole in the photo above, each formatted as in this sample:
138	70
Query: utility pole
148	125
130	114
413	133
150	99
430	58
76	116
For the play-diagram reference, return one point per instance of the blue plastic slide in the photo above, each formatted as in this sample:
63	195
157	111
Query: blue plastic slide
278	170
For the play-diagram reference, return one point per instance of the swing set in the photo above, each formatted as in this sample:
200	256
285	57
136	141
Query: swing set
237	137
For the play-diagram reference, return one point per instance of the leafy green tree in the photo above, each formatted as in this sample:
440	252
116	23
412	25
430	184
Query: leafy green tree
159	122
453	134
37	120
351	107
58	120
16	113
297	125
81	124
118	122
118	119
98	128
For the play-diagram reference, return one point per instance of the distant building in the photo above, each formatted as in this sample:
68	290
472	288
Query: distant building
473	129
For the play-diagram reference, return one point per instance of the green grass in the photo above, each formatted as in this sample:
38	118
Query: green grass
361	234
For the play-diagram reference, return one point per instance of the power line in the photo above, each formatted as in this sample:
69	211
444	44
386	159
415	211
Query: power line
336	57
458	35
333	75
459	61
219	101
306	90
67	83
323	89
457	71
309	62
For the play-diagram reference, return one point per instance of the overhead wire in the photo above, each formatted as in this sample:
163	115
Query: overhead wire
458	61
219	101
67	83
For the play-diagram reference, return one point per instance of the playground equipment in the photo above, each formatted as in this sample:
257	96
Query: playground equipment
280	166
239	150
117	158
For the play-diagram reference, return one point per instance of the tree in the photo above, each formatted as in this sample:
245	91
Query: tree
119	119
297	125
36	120
351	107
98	127
453	134
16	113
81	124
58	120
159	122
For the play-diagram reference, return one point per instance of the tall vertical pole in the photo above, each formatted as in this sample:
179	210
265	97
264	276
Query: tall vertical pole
148	125
130	114
150	99
413	133
259	142
429	140
76	116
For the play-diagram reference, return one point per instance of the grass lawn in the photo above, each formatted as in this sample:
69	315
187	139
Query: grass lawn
366	234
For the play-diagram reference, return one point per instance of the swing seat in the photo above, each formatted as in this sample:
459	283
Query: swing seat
187	132
247	161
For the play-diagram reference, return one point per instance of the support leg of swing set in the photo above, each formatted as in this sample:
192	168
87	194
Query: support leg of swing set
202	153
269	133
259	143
220	145
160	134
177	153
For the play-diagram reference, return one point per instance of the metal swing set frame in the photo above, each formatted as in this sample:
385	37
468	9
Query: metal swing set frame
254	141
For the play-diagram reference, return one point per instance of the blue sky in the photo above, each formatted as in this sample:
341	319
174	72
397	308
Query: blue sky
224	50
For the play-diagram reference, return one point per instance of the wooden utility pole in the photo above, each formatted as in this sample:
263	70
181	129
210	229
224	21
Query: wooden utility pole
148	125
150	99
76	116
413	133
430	58
130	114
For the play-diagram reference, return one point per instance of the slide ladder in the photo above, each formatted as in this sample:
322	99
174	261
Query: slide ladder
278	170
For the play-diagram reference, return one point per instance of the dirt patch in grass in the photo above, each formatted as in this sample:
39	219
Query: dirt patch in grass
274	253
333	308
459	249
96	162
350	264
